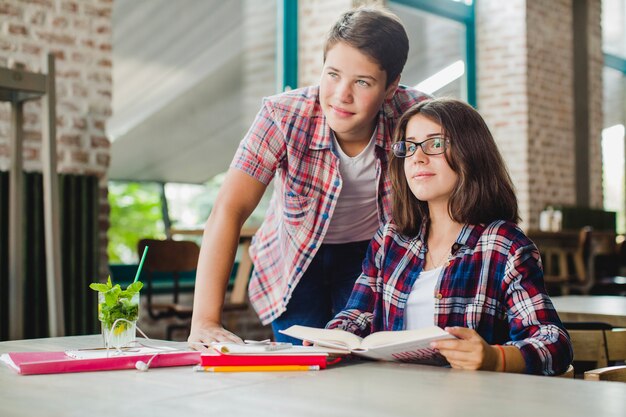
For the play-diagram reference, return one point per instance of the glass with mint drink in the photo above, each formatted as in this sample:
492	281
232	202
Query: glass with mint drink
118	311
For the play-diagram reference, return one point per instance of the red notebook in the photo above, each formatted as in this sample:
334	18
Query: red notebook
32	363
218	359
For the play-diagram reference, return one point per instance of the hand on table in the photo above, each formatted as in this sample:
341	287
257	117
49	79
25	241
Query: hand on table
201	336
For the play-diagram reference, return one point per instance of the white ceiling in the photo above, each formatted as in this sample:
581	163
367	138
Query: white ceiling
176	89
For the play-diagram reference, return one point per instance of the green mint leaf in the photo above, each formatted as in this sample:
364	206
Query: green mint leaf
134	288
110	298
109	283
99	287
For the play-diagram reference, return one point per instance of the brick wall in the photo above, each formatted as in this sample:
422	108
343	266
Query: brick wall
551	140
79	34
525	92
315	18
502	90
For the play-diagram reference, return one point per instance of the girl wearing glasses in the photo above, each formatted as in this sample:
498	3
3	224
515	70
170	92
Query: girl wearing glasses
453	256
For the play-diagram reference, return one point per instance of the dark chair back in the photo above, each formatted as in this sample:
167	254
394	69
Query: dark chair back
170	257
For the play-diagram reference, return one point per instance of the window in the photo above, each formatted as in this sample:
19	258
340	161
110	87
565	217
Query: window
441	60
187	84
614	101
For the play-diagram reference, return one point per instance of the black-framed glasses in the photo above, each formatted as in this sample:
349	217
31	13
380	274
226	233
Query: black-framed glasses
432	146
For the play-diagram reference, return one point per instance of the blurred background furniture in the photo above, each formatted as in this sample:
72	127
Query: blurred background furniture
610	373
616	345
596	345
588	261
605	263
242	268
591	308
166	261
560	255
589	343
170	270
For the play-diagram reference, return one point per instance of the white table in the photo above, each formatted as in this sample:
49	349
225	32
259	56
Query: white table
358	389
603	308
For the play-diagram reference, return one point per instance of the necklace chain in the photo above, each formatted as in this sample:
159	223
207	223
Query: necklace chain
441	261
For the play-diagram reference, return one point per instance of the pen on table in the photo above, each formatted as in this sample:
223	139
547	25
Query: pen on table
256	368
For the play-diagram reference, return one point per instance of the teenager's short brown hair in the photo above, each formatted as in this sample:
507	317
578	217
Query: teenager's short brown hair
484	191
377	33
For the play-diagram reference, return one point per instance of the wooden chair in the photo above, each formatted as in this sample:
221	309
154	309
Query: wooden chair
615	345
563	256
596	264
611	373
606	262
171	257
589	346
558	253
179	256
598	343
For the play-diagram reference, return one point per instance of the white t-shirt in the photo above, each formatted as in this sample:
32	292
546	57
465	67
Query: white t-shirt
355	217
420	306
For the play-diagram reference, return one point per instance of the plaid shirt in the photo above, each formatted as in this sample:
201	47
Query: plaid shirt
493	283
290	140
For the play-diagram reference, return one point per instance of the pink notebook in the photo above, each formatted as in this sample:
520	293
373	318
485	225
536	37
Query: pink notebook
262	360
32	363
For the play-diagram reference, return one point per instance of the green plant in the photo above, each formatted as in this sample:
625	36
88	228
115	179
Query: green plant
135	214
116	303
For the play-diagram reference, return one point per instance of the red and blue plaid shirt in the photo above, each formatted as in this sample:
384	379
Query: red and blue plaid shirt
493	283
290	140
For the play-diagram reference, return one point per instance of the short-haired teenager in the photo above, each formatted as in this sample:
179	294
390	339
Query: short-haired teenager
453	256
326	148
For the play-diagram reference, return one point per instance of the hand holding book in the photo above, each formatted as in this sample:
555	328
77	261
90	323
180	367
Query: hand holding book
403	346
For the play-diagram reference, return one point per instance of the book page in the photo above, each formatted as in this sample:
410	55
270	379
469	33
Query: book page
7	359
395	337
413	352
338	339
405	349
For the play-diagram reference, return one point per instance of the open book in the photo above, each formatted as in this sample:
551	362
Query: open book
403	345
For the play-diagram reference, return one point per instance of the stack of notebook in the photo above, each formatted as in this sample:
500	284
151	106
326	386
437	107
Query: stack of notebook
230	357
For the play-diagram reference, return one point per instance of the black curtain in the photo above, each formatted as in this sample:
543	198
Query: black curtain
4	255
79	250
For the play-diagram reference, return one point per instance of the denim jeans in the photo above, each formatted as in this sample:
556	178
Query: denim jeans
324	288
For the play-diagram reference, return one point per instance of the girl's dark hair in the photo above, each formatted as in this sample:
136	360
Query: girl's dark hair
375	32
484	191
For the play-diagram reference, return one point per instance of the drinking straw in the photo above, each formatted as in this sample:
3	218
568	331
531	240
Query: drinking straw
143	258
